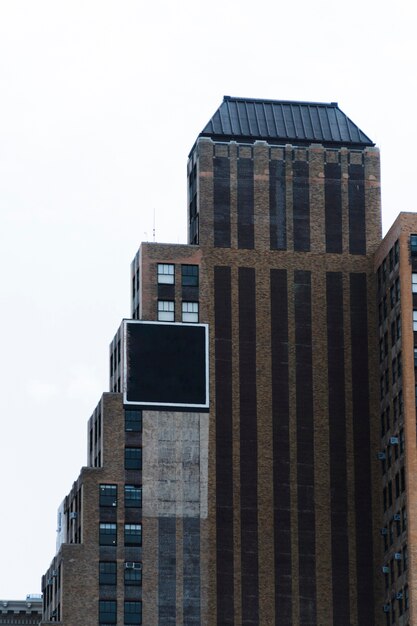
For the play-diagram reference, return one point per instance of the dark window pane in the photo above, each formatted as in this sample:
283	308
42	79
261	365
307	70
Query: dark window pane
107	612
108	495
133	534
189	275
133	573
133	612
108	534
133	458
133	421
133	496
107	571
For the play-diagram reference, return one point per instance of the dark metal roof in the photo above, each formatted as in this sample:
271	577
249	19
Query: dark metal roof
283	121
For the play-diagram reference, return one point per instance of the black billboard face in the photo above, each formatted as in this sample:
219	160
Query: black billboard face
166	365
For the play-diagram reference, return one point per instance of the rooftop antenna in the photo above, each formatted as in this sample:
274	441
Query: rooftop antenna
153	231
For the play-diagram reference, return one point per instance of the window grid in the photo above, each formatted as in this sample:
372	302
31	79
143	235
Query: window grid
190	312
166	311
133	458
166	274
133	535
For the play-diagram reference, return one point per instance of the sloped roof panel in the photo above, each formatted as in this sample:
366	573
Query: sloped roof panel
245	119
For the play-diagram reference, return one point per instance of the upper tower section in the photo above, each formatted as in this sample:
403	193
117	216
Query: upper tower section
280	175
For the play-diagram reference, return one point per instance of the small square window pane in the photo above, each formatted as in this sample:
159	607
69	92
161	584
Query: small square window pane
190	312
166	273
166	311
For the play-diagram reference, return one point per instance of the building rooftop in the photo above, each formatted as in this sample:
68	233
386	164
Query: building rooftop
249	119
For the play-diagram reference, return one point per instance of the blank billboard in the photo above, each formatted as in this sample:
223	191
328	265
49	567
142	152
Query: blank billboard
166	365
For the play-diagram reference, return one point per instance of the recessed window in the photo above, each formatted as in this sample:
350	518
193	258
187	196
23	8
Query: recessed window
413	244
414	283
133	496
166	311
108	534
107	573
166	273
189	275
133	421
190	312
133	573
133	612
133	535
107	612
108	495
133	458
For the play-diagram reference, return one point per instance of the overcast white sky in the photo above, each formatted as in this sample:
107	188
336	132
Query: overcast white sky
100	103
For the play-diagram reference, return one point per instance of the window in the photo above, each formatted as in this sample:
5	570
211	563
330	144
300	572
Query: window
391	567
133	612
391	259
400	402
133	496
399	366
133	573
404	518
398	525
166	273
395	405
133	534
190	312
415	357
389	456
394	370
402	473
388	418
384	495
405	557
392	296
414	283
415	320
108	495
390	493
133	458
384	306
402	441
397	485
107	573
107	612
391	533
166	311
133	421
397	290
382	424
398	324
406	598
413	244
189	275
384	269
396	252
108	534
399	567
386	344
392	333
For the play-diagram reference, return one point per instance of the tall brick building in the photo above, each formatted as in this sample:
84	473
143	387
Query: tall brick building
267	509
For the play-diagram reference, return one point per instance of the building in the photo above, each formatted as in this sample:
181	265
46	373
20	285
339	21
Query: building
28	612
266	509
396	269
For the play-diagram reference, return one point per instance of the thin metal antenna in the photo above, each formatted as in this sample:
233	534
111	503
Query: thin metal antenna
153	226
